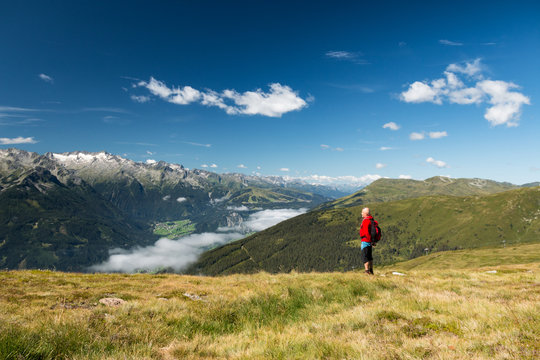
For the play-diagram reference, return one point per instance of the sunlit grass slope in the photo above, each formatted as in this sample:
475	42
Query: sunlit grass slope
429	314
473	258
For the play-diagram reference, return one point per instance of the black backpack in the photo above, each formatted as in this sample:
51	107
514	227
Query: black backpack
375	232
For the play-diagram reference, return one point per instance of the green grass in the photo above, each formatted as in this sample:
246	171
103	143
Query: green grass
473	258
435	313
174	229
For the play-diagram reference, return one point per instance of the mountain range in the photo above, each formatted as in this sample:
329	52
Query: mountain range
66	211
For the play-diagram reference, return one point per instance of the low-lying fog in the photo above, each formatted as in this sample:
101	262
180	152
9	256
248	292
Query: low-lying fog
178	254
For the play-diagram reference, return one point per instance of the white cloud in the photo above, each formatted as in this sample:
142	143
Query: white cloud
470	68
140	99
284	169
505	104
46	78
437	163
384	148
151	161
380	166
340	54
178	254
355	57
391	125
326	147
242	166
279	100
180	96
204	166
450	43
181	199
196	144
407	177
417	136
421	92
213	166
437	134
17	140
466	96
266	218
238	208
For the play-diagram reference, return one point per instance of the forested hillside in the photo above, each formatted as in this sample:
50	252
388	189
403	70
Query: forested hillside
327	240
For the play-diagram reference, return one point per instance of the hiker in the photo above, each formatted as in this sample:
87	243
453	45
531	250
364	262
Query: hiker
367	243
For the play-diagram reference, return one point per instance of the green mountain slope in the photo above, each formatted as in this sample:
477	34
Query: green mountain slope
47	224
472	258
328	240
384	190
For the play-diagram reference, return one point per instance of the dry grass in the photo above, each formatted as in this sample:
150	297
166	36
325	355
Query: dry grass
465	314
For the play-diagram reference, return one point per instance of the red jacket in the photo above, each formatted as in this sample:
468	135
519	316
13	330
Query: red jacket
364	228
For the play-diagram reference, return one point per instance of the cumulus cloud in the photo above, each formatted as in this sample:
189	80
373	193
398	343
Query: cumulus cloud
17	140
417	136
46	78
450	43
419	92
407	177
391	125
325	147
242	166
279	100
438	134
178	254
284	169
437	163
213	166
380	166
469	68
204	166
504	103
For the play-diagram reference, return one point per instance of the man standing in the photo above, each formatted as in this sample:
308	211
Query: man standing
365	235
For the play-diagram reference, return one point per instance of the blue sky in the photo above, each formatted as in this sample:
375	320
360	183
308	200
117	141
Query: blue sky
302	89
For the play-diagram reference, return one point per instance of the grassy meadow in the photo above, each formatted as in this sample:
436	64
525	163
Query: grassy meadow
430	313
